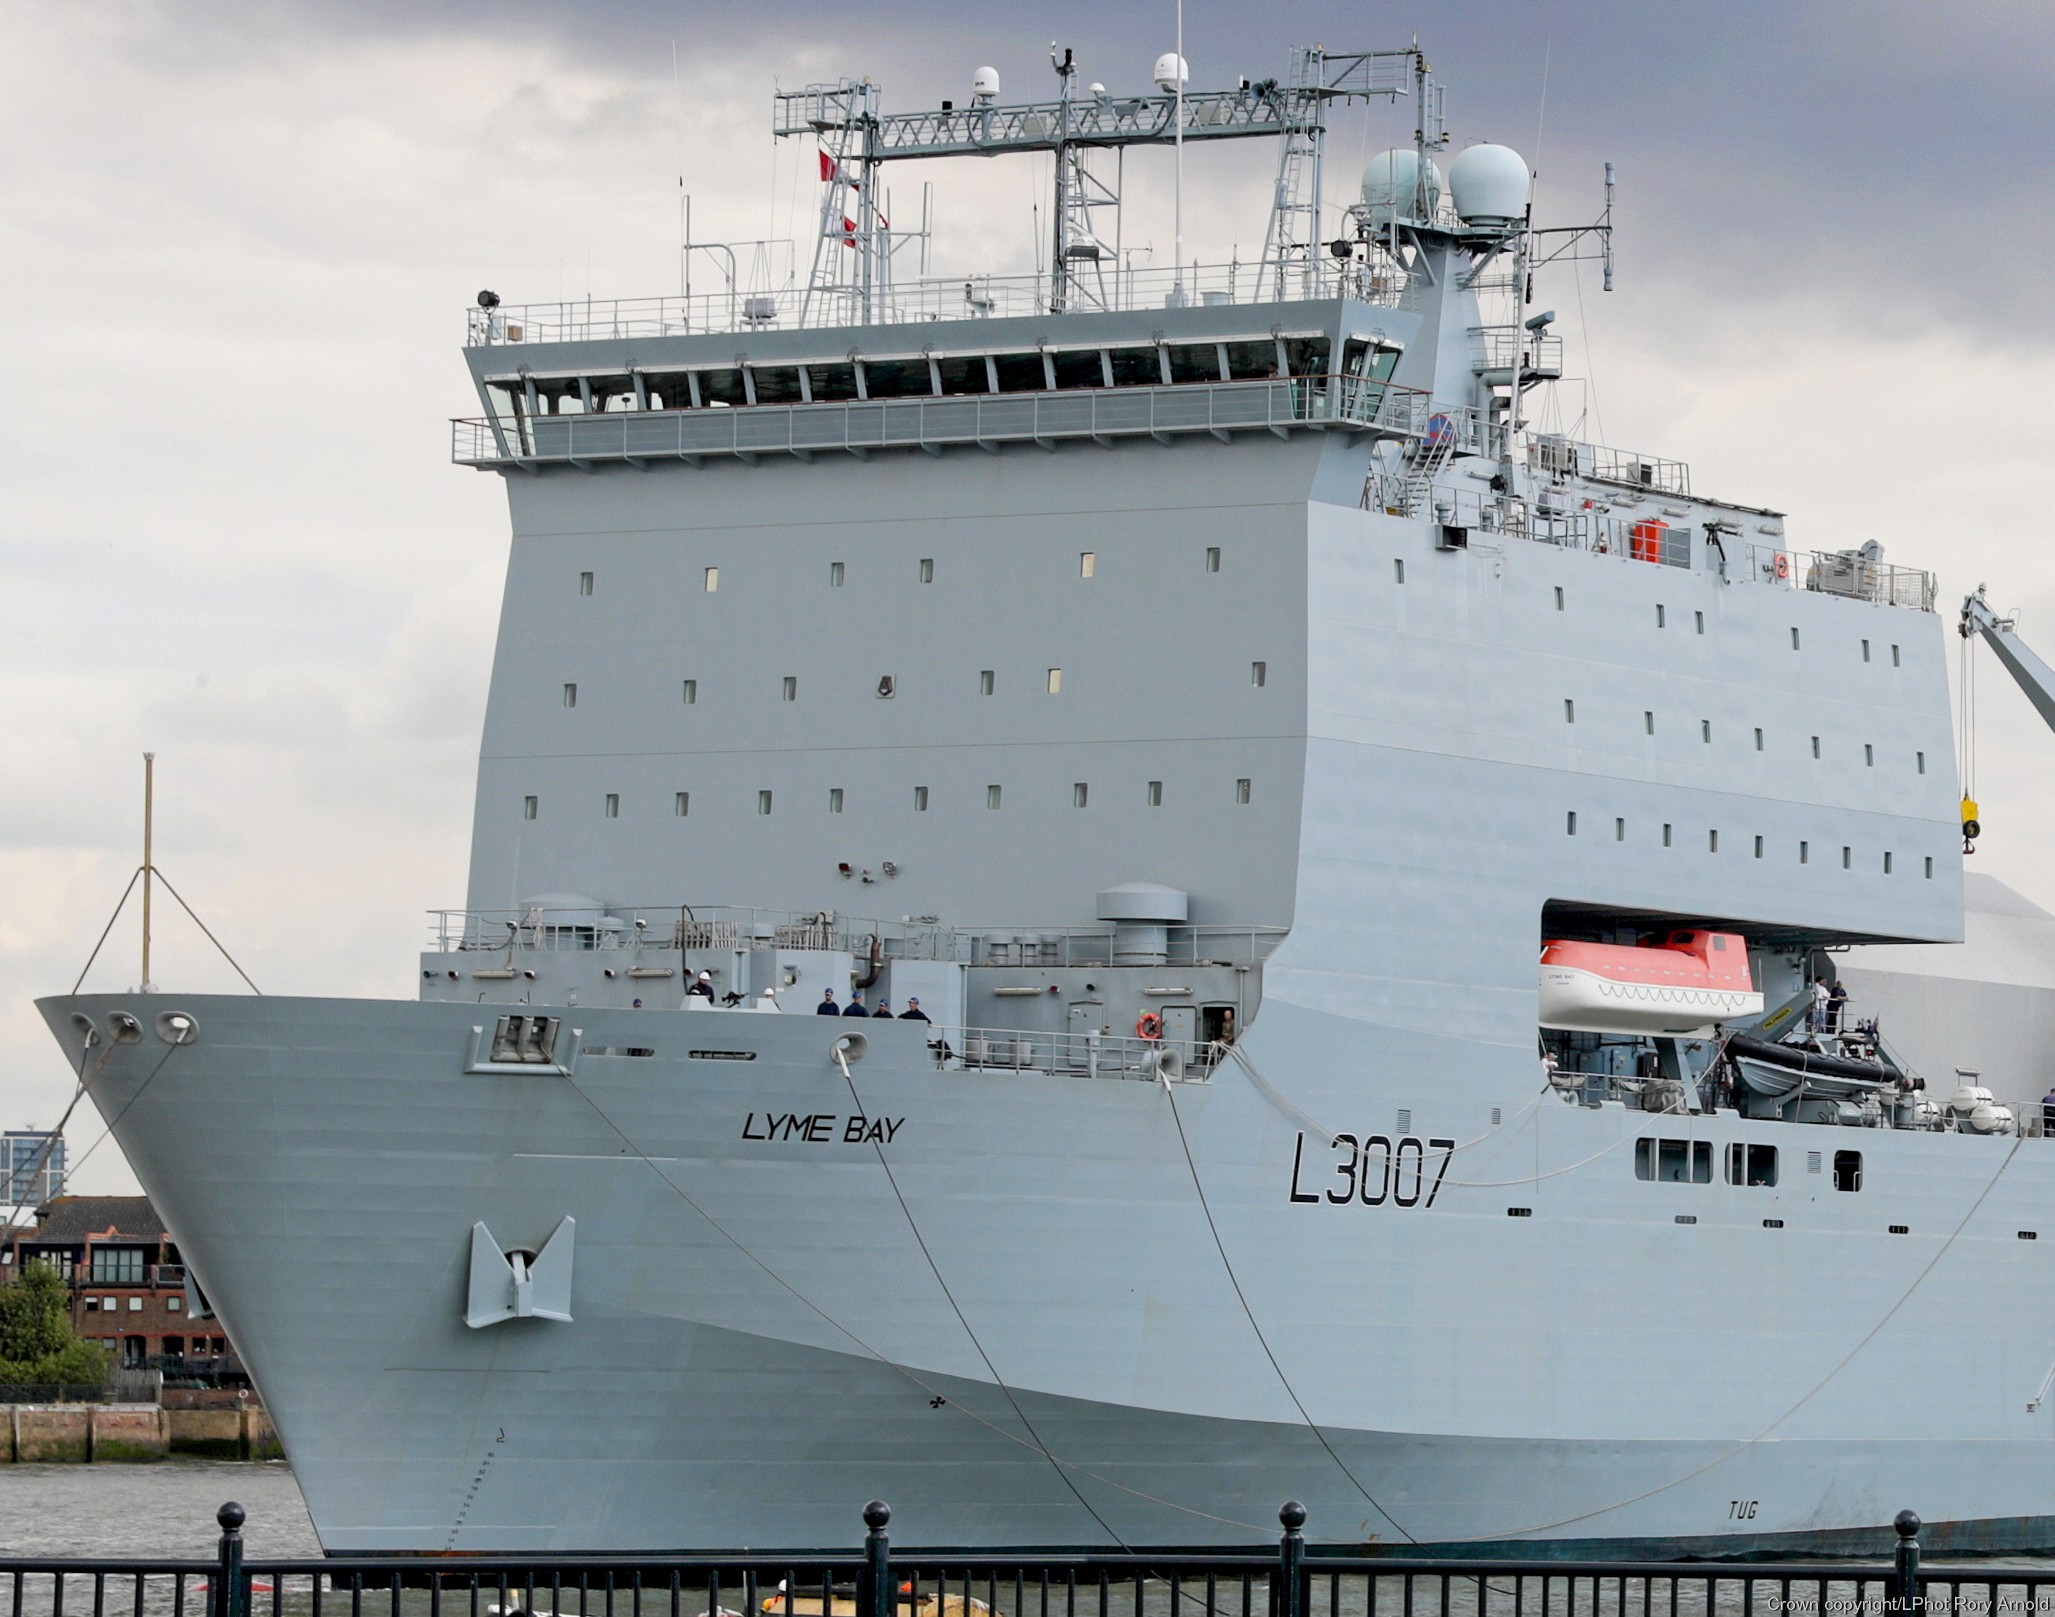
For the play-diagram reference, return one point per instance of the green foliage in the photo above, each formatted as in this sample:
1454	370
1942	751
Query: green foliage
37	1346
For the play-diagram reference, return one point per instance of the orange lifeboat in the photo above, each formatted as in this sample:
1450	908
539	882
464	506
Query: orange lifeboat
1678	987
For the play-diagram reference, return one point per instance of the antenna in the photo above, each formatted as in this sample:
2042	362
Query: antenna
149	867
1177	286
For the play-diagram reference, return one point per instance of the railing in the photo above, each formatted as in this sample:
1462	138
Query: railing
1294	1578
1093	1055
1851	573
858	426
1567	457
958	297
669	927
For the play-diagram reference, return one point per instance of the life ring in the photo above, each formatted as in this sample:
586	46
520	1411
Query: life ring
1783	565
1149	1026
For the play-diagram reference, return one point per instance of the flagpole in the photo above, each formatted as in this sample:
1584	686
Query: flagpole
149	867
1178	142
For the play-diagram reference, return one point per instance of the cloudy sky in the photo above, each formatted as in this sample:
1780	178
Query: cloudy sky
238	242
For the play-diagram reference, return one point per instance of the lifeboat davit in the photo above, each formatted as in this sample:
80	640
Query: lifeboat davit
1678	987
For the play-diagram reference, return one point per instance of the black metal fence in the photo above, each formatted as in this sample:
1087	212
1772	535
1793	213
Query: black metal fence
875	1583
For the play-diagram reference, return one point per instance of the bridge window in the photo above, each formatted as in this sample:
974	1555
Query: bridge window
1307	356
1136	367
1020	373
831	384
963	373
776	384
897	378
1252	361
1195	363
1080	367
722	387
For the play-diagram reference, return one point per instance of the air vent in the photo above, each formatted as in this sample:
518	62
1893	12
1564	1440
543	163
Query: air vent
1519	1212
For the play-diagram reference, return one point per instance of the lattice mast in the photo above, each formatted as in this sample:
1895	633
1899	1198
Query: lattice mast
852	251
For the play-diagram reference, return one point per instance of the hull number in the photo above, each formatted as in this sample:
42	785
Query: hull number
1404	1172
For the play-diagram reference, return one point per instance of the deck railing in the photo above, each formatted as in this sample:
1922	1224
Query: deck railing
1294	1577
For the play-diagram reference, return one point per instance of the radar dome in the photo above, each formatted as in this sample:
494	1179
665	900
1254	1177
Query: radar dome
984	84
1489	185
1391	182
1171	71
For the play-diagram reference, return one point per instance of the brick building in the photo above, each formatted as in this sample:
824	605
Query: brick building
129	1291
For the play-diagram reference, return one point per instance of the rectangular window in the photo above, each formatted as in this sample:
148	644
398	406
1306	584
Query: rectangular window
1865	651
118	1266
834	800
1815	746
1619	830
1752	1165
1675	1162
1920	759
1712	842
613	808
584	583
991	797
1869	756
1794	637
763	802
1661	618
1666	836
1569	711
713	579
1259	674
1699	618
1078	795
690	691
1559	597
1848	1170
570	695
1887	864
1847	857
1213	561
1155	794
1570	823
1705	730
1894	656
1758	847
836	574
1088	564
530	807
1055	682
927	569
1648	723
681	804
985	682
920	800
1758	738
1930	867
1241	791
791	687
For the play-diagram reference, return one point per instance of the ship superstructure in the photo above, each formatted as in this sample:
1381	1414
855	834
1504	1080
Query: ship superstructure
1206	695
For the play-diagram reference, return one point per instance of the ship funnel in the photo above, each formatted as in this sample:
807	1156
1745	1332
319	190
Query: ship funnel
1142	914
1489	185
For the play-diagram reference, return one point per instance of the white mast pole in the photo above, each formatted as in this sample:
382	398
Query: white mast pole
1177	135
149	864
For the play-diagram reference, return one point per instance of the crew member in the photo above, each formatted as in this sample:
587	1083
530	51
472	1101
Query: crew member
913	1012
703	986
855	1005
827	1006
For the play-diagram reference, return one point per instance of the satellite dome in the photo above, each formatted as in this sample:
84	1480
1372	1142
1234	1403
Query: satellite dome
984	84
1391	182
1171	71
1489	184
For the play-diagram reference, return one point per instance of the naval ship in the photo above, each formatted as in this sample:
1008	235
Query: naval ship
1370	870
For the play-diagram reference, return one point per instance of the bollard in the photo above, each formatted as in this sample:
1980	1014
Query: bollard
874	1599
1906	1590
1288	1599
225	1592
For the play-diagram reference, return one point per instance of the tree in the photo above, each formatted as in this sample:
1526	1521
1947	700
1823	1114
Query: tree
37	1345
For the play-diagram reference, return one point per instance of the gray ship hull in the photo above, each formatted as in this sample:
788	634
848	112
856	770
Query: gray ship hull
1058	1310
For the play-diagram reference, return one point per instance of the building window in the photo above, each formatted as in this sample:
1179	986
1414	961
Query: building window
1241	790
174	1305
835	575
991	797
1259	674
570	695
1078	795
927	569
690	691
584	583
613	805
530	807
763	802
920	800
985	682
1087	564
681	804
118	1266
1213	560
713	579
790	687
834	800
1570	823
1155	794
1055	682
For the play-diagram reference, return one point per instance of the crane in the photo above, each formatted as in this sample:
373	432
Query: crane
2033	676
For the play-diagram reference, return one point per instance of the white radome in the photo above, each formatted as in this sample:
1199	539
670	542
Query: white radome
1171	71
1391	183
1489	185
984	84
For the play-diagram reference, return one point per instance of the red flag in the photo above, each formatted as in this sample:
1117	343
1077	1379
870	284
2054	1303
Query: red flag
848	231
829	167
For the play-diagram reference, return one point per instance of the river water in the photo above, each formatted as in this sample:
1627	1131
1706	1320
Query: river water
164	1510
